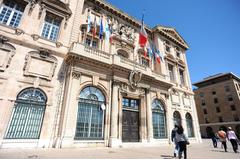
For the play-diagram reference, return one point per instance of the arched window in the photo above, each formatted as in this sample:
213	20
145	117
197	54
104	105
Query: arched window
28	113
158	120
209	131
189	125
90	117
177	118
238	131
122	53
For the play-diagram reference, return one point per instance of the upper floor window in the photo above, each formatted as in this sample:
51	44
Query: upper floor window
91	42
201	94
206	120
178	53
171	73
181	73
167	46
205	111
220	119
233	108
227	88
203	102
218	110
144	59
235	117
213	92
215	100
11	13
230	98
51	27
237	86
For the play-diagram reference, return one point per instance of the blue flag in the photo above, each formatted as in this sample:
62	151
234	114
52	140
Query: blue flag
101	29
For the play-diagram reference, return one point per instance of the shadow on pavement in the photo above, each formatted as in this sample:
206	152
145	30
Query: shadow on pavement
167	157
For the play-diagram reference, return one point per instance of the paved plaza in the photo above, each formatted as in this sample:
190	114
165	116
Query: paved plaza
195	151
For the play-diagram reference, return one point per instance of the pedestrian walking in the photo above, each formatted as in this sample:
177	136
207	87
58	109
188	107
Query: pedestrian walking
223	138
214	139
233	139
182	141
173	134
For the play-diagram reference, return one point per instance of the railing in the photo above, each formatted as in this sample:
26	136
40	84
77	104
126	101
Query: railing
79	48
159	75
132	63
97	52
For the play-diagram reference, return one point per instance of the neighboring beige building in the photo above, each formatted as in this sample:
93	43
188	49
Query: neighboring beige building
218	103
63	86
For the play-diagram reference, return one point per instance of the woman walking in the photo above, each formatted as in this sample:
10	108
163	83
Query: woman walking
182	141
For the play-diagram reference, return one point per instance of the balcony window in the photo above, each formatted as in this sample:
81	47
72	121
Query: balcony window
11	13
51	27
181	73
171	73
91	42
144	60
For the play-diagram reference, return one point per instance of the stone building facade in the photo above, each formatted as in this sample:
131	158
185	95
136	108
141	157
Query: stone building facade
218	103
64	85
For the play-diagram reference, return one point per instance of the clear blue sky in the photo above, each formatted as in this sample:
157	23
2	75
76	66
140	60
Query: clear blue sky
210	27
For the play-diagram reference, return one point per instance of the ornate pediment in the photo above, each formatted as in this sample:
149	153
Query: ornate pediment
172	34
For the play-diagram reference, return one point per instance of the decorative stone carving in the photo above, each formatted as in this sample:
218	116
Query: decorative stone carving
31	4
19	31
35	37
76	75
134	78
123	31
59	44
7	51
42	6
57	7
40	64
95	80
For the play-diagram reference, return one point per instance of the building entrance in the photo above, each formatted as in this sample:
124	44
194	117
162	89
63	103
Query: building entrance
130	120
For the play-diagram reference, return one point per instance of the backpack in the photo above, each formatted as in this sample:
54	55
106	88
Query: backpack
221	134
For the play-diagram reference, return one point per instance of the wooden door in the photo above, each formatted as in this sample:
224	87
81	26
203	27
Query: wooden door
130	126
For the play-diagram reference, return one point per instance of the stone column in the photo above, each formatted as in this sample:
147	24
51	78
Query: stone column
114	140
149	117
143	120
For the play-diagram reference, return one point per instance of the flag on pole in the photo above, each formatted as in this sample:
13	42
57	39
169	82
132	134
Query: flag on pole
142	35
160	55
101	29
88	23
107	31
94	30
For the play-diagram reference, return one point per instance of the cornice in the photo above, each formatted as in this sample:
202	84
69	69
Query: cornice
119	13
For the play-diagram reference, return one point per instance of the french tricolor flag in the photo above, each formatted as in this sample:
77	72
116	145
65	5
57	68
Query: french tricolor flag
142	36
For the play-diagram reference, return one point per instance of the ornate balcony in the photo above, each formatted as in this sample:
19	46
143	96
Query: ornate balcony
86	52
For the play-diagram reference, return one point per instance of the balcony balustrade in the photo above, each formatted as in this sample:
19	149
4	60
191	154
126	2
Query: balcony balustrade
112	59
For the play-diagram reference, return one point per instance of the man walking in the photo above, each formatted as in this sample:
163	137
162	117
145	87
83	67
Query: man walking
233	139
173	134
